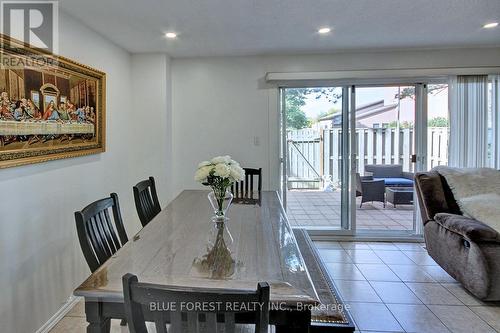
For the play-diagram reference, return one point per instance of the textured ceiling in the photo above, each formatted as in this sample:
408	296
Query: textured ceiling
250	27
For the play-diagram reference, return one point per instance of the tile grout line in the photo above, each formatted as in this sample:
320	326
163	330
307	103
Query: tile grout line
434	282
333	281
409	289
484	321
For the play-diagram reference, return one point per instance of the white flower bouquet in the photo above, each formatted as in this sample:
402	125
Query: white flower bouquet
219	173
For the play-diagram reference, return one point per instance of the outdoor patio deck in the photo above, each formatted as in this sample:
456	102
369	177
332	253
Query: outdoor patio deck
322	209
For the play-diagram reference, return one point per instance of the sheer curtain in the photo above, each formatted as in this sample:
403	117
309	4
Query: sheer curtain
494	120
468	147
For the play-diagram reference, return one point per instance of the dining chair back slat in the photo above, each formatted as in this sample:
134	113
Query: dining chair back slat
160	322
139	296
96	233
246	188
146	200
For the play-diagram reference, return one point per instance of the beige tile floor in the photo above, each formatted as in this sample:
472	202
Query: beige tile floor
318	208
75	322
389	287
397	287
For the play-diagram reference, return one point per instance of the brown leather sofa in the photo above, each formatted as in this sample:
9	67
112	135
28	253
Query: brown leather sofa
467	249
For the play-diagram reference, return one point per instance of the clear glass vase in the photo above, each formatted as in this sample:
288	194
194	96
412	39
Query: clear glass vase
219	233
220	201
218	261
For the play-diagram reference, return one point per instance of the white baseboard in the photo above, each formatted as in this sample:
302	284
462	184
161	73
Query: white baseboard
70	303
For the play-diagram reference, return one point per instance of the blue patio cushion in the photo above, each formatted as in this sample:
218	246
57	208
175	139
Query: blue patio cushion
396	181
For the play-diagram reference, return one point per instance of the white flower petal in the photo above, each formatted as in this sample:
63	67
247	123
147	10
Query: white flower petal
220	166
203	164
222	170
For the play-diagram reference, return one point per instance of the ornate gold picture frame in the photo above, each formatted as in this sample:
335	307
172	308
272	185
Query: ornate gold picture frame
50	107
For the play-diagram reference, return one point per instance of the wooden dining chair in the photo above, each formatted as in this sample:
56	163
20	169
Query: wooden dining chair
146	200
139	297
245	188
96	233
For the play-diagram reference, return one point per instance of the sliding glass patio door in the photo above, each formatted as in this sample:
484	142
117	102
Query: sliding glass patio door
385	132
350	152
316	168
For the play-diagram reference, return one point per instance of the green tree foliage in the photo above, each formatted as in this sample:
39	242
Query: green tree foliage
295	99
438	122
330	112
409	92
296	118
434	122
404	124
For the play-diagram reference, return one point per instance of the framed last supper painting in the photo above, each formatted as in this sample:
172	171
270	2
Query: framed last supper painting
50	107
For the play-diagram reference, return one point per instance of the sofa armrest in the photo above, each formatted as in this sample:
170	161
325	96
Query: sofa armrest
408	175
471	229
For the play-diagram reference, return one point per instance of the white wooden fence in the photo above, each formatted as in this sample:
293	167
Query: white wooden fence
313	154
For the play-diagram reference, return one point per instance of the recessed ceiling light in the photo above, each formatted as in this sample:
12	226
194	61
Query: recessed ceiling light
324	30
490	25
171	35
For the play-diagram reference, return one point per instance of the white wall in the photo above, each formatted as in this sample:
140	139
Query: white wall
151	116
220	104
217	108
40	257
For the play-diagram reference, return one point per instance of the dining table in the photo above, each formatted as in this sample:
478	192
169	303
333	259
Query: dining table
173	249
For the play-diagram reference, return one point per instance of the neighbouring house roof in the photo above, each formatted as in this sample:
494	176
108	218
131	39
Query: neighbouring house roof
363	111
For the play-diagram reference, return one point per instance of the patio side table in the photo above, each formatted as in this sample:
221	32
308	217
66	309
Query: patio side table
399	195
